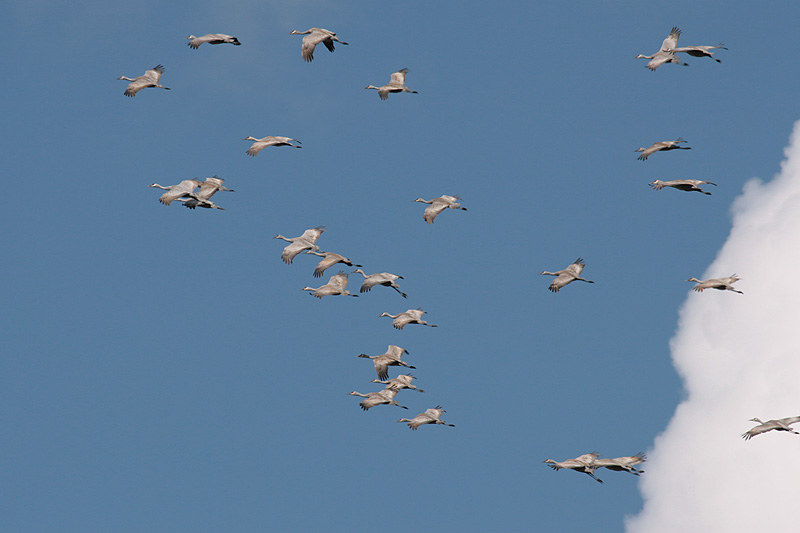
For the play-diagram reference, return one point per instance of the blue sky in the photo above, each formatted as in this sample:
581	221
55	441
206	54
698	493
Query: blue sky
162	369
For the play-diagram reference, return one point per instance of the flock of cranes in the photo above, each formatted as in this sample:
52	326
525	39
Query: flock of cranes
588	463
187	193
669	49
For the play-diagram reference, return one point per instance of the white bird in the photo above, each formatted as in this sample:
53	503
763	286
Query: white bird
181	190
411	316
403	381
392	357
622	464
682	185
665	53
306	241
212	38
313	37
383	278
397	84
662	146
149	79
699	51
584	463
566	276
721	284
430	416
383	397
263	142
438	205
202	198
329	259
782	424
336	286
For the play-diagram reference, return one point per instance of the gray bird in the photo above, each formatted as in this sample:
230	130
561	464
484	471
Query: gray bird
781	424
397	84
313	37
430	416
150	78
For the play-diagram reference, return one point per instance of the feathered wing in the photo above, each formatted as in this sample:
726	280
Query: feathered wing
291	251
433	210
398	79
672	40
338	281
313	234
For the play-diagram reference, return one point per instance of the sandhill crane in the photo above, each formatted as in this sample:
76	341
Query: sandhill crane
682	185
383	397
212	38
665	53
622	464
306	241
335	286
430	416
383	278
782	424
182	189
662	146
438	205
584	463
403	381
329	259
566	276
149	79
392	357
202	198
313	37
700	51
397	84
263	142
411	316
721	284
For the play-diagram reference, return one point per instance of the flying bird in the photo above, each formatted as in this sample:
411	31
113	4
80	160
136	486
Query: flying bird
782	424
665	53
181	190
306	241
403	381
682	185
622	464
313	37
662	146
383	397
383	278
584	463
699	51
202	198
430	416
149	79
329	259
392	357
336	286
721	284
397	84
566	276
212	38
438	205
412	316
262	143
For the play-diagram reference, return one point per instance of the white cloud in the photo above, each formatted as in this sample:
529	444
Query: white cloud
739	357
